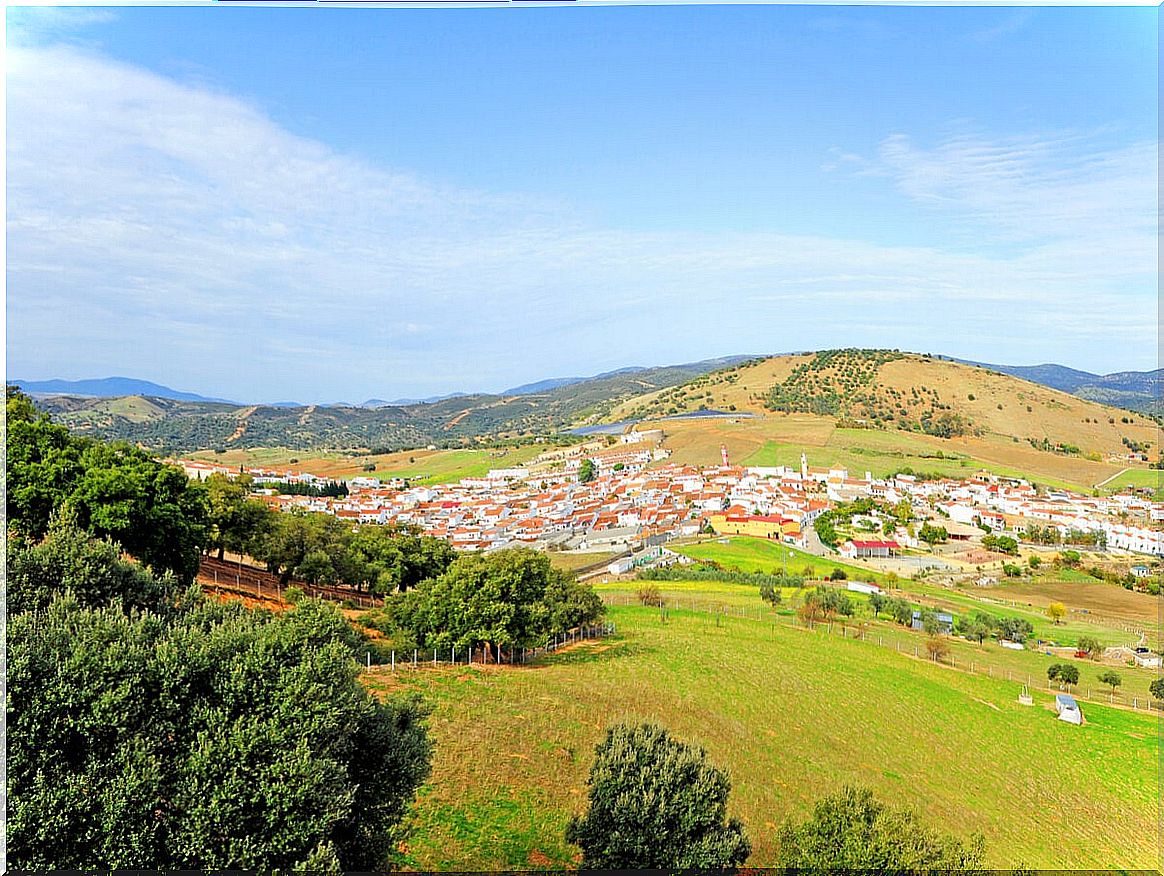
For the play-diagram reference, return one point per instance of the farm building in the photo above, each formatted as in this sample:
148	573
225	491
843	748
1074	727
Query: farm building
855	549
1068	709
862	587
620	566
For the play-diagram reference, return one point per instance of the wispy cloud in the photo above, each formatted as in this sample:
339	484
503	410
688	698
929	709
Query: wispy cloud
173	231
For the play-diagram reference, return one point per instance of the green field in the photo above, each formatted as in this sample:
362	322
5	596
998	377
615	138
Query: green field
1138	477
749	554
791	714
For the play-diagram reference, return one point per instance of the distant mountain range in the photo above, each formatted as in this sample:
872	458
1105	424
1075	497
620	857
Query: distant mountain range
171	421
110	387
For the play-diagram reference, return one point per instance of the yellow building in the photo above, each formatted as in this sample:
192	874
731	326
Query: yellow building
768	526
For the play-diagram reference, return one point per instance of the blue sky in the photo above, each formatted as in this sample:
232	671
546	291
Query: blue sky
323	204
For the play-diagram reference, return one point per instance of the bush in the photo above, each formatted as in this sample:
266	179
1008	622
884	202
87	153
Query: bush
851	830
649	595
655	803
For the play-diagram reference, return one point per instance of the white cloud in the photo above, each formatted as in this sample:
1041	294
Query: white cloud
168	230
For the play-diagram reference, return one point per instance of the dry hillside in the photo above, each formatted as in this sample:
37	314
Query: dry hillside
891	391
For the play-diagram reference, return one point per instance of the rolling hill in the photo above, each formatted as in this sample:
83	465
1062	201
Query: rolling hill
174	426
890	391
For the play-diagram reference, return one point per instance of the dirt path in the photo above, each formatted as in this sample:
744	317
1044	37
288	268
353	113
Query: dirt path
1113	477
243	415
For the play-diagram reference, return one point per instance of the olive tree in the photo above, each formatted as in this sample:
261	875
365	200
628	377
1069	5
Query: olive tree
655	802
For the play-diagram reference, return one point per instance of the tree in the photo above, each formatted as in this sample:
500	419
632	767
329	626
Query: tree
111	490
976	627
655	803
1069	674
902	611
937	647
877	602
1034	561
1015	629
1056	611
587	471
1110	677
770	594
511	598
932	535
1090	645
213	737
91	570
930	623
1157	688
851	830
1068	559
838	574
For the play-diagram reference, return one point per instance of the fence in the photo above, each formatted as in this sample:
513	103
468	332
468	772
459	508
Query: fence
419	658
247	580
901	641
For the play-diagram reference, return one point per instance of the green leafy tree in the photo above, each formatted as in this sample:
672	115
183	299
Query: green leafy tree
91	570
1016	629
511	598
1034	561
1111	678
235	520
878	602
1156	688
111	490
587	471
770	594
1090	645
1056	611
902	611
213	737
932	535
656	803
851	830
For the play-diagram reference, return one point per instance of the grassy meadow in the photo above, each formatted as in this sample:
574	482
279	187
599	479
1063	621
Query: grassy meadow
748	554
419	466
791	714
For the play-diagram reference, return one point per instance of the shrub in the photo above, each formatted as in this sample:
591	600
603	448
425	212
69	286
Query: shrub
655	803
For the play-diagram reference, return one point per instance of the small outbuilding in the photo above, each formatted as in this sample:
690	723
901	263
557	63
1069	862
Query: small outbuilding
1068	709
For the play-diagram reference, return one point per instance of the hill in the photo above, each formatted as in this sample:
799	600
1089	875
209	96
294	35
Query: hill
109	387
1133	390
174	426
891	391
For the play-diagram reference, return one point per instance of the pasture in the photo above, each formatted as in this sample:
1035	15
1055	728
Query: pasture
418	466
749	554
791	714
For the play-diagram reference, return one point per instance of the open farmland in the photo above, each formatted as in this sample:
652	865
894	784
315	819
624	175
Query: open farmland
791	714
419	466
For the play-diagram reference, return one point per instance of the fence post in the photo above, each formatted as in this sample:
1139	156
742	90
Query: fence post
393	661
454	655
369	656
434	657
413	658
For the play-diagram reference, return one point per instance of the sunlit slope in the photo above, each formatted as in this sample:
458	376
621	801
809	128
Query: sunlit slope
908	393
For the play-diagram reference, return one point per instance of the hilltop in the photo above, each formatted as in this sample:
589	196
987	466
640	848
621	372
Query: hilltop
891	390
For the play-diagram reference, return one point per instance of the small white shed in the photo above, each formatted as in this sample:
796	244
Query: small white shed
1068	709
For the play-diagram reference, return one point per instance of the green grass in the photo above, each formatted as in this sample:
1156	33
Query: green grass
749	554
449	466
791	714
1138	477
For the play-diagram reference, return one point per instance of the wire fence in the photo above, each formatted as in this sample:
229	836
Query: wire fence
902	642
425	658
